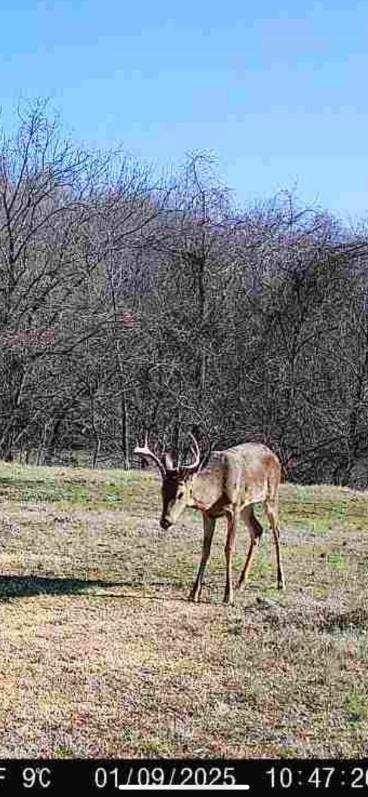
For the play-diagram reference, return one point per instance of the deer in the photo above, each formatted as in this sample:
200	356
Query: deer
235	480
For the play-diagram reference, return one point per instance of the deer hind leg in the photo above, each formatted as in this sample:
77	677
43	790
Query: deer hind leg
272	514
229	550
208	529
255	530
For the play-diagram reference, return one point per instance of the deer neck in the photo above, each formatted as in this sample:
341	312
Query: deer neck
206	489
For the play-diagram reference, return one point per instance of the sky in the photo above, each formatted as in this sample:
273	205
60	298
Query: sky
277	90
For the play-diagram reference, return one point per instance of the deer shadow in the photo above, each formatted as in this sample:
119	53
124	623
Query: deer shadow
30	586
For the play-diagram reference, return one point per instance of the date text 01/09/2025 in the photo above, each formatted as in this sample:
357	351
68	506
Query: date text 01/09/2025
166	777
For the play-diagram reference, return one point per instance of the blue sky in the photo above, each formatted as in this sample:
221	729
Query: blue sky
276	89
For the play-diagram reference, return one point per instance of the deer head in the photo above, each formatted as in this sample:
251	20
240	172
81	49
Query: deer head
177	482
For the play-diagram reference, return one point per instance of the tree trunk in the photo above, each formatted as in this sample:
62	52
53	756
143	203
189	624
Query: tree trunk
96	451
125	430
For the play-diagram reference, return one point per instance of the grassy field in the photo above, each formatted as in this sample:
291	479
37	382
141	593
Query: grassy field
102	655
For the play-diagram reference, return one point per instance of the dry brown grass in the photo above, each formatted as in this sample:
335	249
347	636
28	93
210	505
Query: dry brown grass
103	656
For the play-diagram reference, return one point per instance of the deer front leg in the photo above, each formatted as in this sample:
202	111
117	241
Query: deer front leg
229	550
208	529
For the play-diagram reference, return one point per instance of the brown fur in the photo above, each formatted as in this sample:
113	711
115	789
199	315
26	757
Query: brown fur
236	479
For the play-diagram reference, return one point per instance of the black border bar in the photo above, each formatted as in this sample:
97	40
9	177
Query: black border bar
179	776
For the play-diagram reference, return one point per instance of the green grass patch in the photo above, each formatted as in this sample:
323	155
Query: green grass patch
337	561
356	706
67	486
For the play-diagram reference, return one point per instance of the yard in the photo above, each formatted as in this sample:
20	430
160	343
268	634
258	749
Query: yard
102	655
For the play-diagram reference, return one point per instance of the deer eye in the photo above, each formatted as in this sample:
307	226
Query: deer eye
180	494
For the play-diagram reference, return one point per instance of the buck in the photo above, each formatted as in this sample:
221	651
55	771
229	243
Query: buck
236	479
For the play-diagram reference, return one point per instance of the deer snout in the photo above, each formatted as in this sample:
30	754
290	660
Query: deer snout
165	523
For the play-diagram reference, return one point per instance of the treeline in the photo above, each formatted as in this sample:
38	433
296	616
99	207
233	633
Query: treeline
131	303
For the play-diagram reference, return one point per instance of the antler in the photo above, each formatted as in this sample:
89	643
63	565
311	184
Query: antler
146	452
196	453
165	463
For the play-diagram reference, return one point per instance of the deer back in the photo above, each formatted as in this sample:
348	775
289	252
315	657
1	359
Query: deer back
247	472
